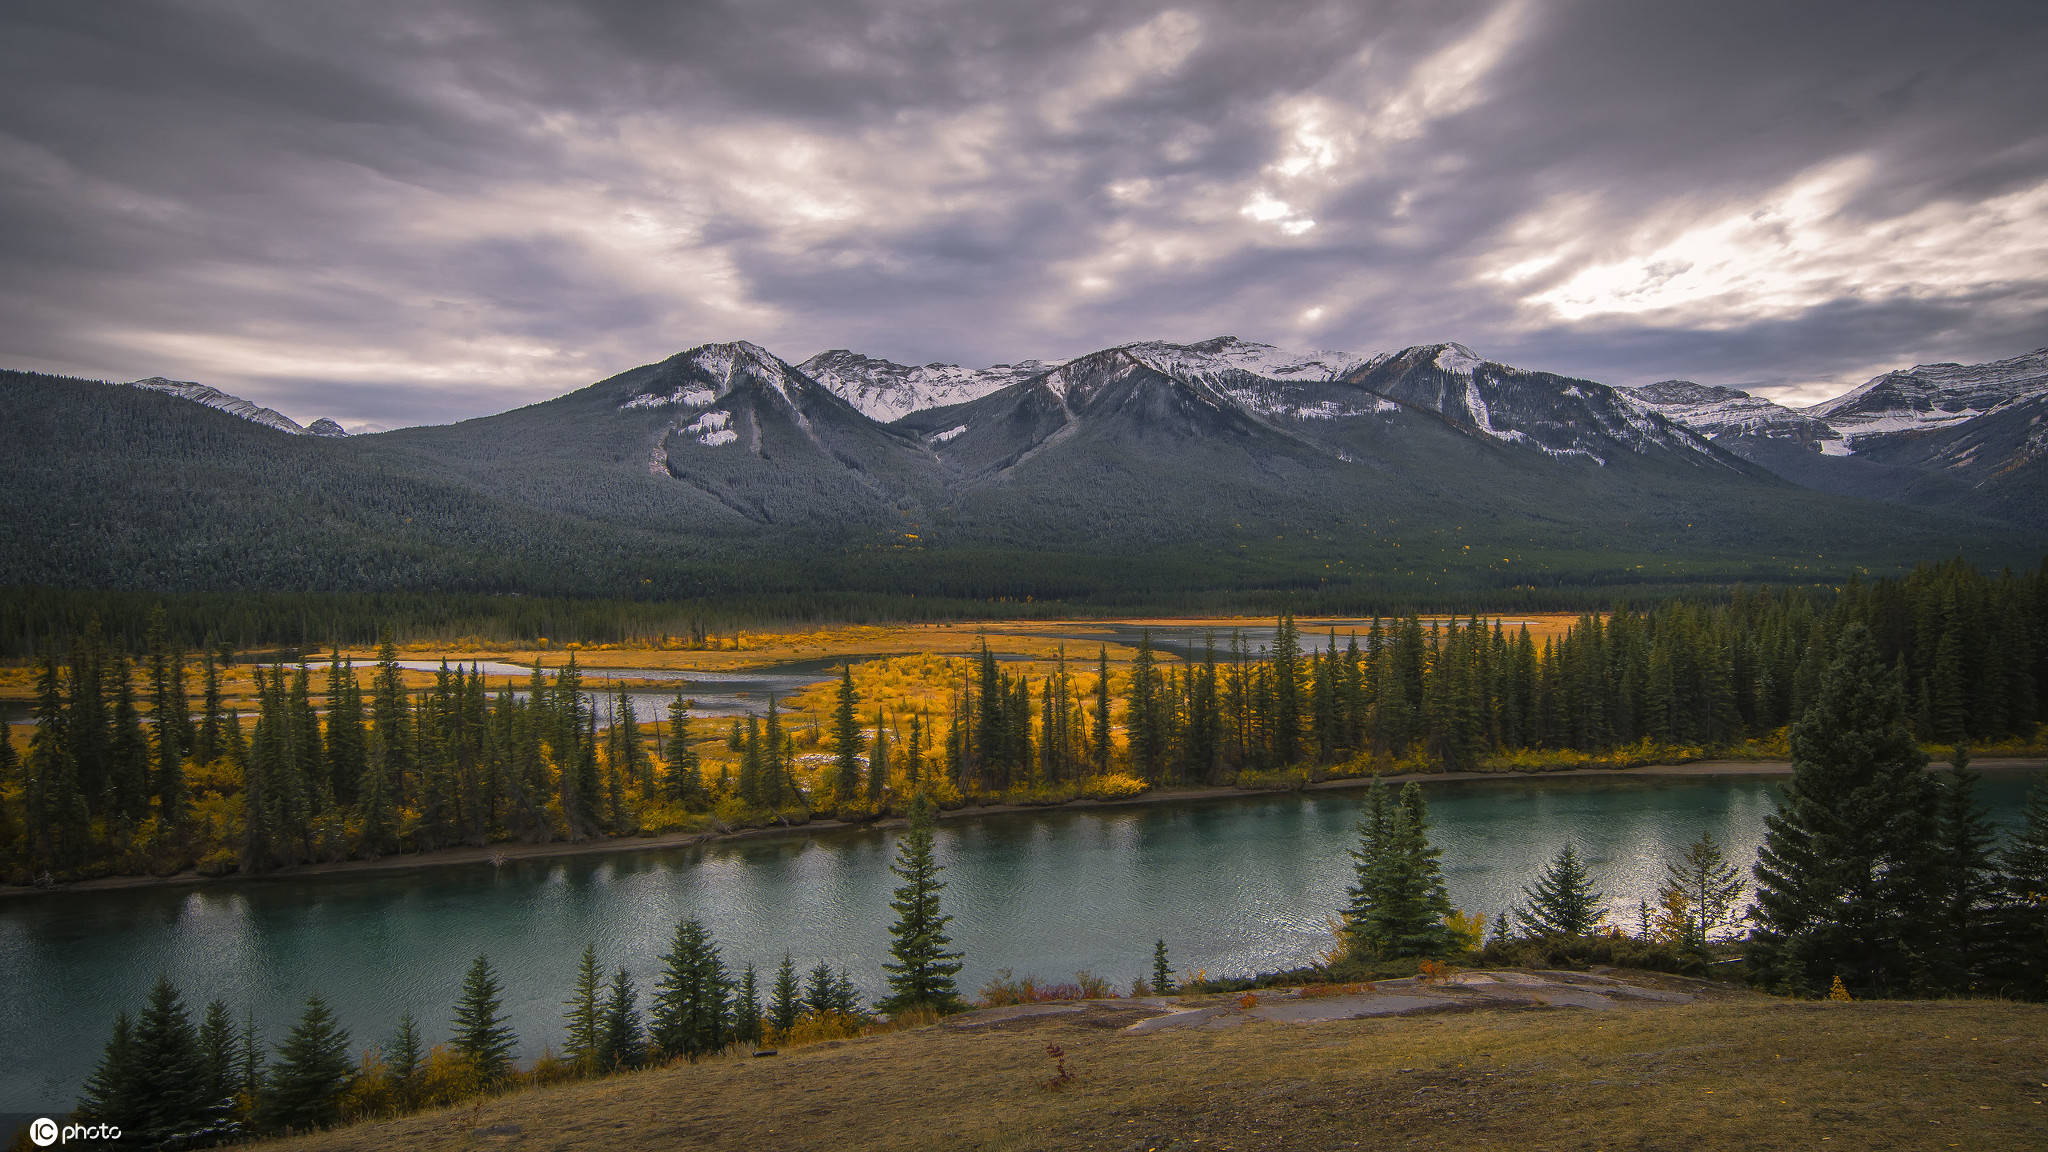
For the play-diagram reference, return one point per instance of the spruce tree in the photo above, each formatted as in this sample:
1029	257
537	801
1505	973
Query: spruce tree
1844	875
581	1013
693	1001
111	1091
821	990
878	763
217	1053
1162	974
2023	910
921	970
312	1068
1100	730
1701	890
482	1032
786	1001
746	1008
621	1043
1966	885
1563	901
405	1058
1399	903
847	742
683	778
168	1086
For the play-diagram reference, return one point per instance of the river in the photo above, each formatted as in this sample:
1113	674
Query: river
1233	886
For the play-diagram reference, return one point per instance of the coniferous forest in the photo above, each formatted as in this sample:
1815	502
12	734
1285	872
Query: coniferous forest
136	765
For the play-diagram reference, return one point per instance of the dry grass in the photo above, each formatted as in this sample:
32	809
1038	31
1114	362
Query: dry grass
1739	1073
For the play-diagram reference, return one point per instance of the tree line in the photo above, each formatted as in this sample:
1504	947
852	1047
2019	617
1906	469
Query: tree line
123	773
1875	877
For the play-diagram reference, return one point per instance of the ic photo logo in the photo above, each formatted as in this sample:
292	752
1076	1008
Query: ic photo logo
44	1132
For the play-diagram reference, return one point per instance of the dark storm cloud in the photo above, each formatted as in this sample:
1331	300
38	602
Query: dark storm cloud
391	213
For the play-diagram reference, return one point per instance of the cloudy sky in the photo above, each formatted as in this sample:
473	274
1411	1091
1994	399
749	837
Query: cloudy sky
410	212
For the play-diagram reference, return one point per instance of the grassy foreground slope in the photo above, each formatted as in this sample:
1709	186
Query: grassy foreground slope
1730	1070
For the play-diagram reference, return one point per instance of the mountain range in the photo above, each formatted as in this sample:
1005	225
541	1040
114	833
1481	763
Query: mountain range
1144	472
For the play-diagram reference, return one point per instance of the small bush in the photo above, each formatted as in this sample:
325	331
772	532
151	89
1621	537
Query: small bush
1575	952
1004	989
1113	786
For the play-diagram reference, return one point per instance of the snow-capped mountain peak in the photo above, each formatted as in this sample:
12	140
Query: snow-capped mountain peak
215	398
885	391
1933	395
1714	411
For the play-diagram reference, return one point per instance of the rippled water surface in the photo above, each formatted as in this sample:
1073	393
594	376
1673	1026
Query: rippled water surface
1232	886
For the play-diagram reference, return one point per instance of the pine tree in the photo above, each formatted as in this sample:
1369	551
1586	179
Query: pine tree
2022	922
1966	883
482	1032
878	763
405	1059
1563	901
169	1092
847	742
111	1092
621	1043
786	1002
1162	975
1399	903
693	1001
312	1068
821	990
683	780
1100	730
921	970
1843	878
252	1061
1700	892
217	1054
746	1008
581	1015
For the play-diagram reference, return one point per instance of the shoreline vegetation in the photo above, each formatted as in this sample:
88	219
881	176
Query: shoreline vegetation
146	763
512	852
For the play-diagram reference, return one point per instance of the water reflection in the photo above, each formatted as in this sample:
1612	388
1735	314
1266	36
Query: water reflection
1232	886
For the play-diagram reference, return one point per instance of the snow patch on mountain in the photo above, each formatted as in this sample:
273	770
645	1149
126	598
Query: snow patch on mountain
885	391
1458	360
1929	396
222	401
1713	411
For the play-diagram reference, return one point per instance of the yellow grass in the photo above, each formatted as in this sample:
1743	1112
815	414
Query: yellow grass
1739	1073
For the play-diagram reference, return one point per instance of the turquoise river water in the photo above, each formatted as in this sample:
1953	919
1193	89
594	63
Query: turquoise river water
1233	886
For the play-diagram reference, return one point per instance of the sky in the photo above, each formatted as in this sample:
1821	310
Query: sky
413	212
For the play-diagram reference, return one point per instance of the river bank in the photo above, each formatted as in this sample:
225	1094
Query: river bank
508	852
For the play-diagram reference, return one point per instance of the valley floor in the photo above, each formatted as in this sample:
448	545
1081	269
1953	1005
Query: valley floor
1501	1060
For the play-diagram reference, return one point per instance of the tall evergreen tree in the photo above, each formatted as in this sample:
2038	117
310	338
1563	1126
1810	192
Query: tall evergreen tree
878	763
581	1012
1562	901
2023	912
847	742
110	1094
1843	875
482	1032
1966	884
683	777
1099	731
693	1001
312	1068
405	1059
920	970
217	1054
786	1002
1399	903
746	1007
1162	973
167	1088
621	1042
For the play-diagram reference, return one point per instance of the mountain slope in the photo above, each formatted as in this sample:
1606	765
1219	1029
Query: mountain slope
1134	474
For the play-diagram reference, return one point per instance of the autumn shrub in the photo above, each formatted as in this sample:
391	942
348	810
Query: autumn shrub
1113	786
1576	952
817	1027
1005	989
1042	794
